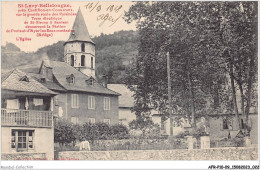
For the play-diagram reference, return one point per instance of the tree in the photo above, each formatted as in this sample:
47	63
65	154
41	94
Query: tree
238	34
158	36
110	66
198	35
63	132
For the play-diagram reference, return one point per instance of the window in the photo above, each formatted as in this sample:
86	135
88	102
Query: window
91	82
22	140
75	120
12	104
73	35
37	101
72	60
42	80
227	124
24	78
82	60
70	79
91	120
163	123
74	100
92	63
91	102
242	124
82	47
106	103
107	121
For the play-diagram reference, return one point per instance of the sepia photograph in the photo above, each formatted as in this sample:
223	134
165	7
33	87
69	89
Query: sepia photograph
130	81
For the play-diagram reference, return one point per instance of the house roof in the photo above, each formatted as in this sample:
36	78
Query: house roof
14	81
126	99
49	84
62	70
80	31
5	75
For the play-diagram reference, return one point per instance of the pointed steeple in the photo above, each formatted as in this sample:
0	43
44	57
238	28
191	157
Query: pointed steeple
79	50
80	31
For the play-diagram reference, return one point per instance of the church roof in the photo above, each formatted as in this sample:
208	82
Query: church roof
16	80
80	31
61	71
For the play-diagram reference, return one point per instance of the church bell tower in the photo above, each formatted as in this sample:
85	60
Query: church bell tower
79	49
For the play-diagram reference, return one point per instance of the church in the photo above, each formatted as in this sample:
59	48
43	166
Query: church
80	97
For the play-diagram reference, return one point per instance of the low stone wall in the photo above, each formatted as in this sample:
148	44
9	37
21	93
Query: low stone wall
138	144
23	156
178	154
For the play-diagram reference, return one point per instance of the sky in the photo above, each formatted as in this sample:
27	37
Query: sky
93	16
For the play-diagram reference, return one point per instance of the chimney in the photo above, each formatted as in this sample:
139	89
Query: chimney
47	69
105	80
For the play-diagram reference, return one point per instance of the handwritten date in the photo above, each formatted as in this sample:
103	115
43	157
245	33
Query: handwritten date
109	12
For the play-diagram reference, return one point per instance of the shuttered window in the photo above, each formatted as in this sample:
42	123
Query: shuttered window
74	100
91	102
22	140
106	103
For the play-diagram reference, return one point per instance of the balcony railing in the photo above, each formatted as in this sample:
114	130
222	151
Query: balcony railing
28	118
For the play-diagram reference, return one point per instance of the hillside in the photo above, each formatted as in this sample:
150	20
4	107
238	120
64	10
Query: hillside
113	53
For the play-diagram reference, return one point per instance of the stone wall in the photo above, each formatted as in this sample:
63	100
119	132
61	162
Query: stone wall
138	144
23	156
178	154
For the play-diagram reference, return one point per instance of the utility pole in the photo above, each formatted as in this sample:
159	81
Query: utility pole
193	120
169	93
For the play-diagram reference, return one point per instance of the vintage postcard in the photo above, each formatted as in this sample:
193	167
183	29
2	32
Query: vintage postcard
152	80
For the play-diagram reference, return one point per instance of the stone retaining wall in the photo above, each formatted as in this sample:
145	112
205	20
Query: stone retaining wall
178	154
23	156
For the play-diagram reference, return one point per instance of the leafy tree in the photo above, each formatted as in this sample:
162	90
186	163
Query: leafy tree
63	132
110	66
239	36
198	36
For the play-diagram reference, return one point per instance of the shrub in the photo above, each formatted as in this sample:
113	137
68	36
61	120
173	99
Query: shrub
144	129
101	131
238	141
119	132
63	132
183	134
199	131
66	133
